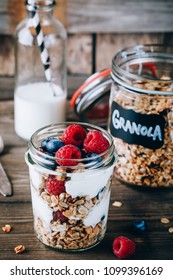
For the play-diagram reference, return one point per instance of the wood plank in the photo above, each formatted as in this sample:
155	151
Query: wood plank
6	87
98	16
120	16
108	44
79	54
11	13
6	55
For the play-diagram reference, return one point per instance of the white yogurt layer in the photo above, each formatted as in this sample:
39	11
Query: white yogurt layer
86	184
41	209
80	184
99	211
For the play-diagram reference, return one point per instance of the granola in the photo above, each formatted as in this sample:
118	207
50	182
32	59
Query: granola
139	165
72	232
19	249
7	228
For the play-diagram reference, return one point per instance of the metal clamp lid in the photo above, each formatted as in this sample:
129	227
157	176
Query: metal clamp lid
94	88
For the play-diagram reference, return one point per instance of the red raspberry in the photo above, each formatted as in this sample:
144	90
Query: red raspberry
58	215
66	155
53	186
123	247
95	142
74	134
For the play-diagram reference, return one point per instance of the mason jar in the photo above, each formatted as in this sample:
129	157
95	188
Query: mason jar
40	69
141	115
74	219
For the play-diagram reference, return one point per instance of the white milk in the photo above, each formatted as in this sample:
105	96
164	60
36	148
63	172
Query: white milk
35	106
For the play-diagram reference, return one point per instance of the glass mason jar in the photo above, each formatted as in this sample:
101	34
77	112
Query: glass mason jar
74	219
39	100
141	115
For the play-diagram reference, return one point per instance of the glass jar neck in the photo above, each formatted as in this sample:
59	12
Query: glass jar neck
149	64
40	6
37	157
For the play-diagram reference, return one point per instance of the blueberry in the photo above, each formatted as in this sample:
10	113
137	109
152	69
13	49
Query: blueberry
90	156
44	144
53	144
139	225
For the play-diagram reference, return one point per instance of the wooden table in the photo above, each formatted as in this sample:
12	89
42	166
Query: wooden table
149	205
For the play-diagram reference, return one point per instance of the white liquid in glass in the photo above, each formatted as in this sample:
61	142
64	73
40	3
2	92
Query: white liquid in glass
36	106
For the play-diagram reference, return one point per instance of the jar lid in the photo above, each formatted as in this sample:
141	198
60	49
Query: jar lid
96	87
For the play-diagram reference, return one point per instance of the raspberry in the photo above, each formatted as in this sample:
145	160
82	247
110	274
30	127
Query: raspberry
58	215
95	142
123	247
67	154
53	186
74	134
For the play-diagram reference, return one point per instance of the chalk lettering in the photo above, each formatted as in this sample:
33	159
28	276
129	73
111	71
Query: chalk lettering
135	128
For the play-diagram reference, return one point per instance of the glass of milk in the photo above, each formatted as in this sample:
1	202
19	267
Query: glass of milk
75	218
39	101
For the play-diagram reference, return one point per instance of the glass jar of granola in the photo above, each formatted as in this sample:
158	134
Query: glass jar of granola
71	167
141	115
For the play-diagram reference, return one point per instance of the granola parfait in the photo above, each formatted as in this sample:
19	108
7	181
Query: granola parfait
71	167
141	115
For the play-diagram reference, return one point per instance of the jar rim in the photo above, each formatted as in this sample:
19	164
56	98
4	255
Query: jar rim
146	53
46	4
90	83
93	95
39	157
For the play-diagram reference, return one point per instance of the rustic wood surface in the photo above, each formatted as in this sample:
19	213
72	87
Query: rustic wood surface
137	203
83	52
98	16
108	44
96	29
104	16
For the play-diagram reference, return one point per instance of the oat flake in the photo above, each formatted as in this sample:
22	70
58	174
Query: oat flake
170	230
7	228
19	249
164	220
117	203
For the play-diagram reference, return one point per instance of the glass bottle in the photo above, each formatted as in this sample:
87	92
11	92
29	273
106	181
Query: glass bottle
37	100
141	115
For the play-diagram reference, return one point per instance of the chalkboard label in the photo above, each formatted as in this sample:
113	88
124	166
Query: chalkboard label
136	128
